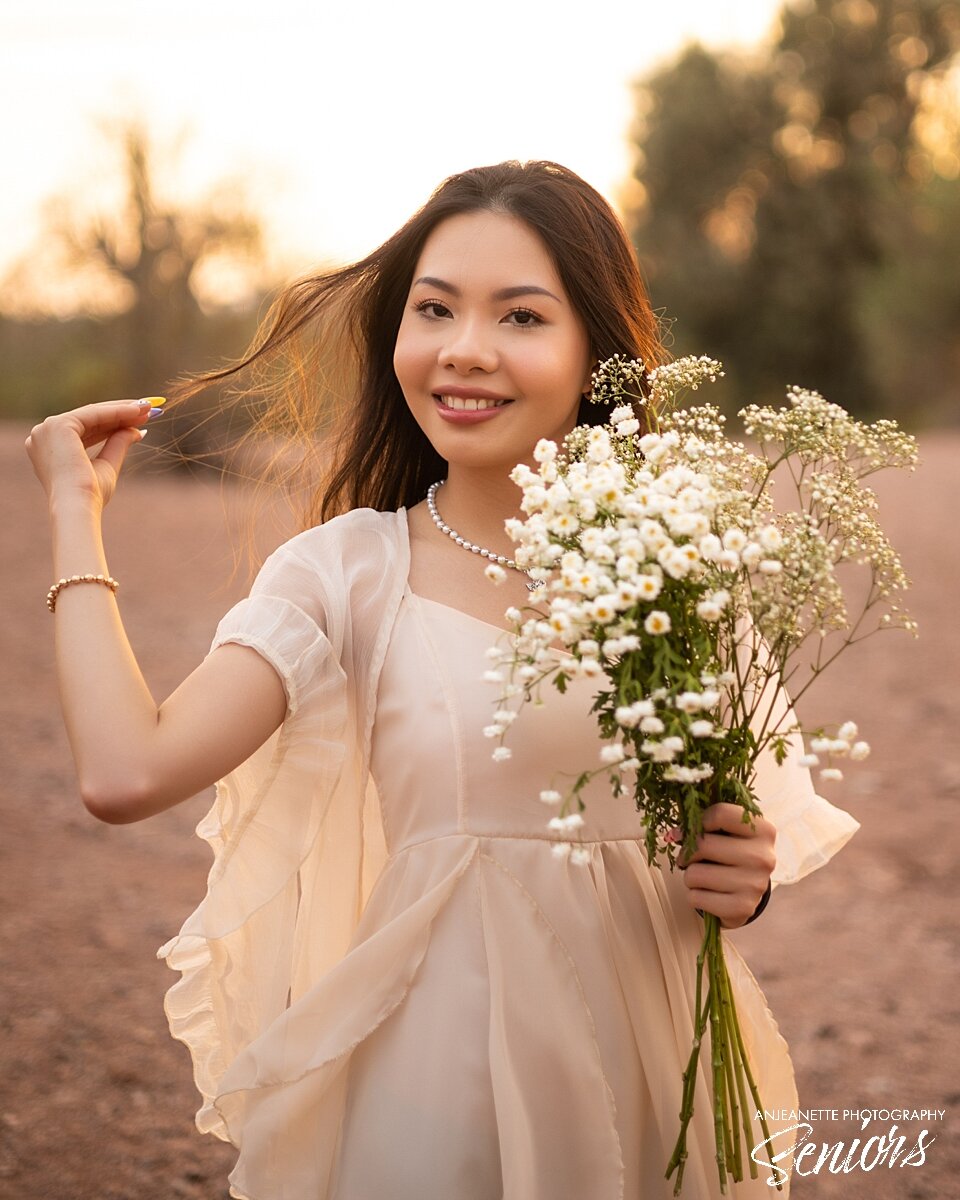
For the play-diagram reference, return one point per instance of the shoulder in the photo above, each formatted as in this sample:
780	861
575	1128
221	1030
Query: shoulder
339	562
341	535
337	543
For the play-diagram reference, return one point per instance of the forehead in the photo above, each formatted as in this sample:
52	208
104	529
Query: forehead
492	249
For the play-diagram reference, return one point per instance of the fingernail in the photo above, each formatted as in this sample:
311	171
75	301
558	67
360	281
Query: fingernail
154	412
154	401
143	433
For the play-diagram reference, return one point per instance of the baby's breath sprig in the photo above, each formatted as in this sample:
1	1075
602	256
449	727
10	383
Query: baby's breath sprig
676	584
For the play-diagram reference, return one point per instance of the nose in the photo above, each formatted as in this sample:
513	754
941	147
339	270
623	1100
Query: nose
468	347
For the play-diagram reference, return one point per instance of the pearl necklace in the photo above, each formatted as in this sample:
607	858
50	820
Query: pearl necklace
500	559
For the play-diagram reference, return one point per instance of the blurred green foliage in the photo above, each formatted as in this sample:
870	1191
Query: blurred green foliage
797	211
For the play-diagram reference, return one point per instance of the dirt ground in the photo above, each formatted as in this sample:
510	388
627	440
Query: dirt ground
858	962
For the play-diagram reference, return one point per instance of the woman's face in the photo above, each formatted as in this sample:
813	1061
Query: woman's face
490	354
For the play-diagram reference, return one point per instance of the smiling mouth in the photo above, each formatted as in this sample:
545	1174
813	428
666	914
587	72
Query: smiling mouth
468	403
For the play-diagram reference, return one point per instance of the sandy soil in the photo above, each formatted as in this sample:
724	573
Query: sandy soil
96	1101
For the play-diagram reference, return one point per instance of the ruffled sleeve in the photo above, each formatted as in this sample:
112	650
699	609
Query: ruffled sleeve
810	830
287	829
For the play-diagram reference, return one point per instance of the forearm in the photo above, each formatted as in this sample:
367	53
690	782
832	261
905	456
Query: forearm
133	759
109	712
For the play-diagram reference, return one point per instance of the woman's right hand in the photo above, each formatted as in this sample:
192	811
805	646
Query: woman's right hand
58	446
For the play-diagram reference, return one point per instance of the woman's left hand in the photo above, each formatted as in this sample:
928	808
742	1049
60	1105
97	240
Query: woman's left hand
728	875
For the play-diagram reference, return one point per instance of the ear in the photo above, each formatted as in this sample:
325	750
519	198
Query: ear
586	385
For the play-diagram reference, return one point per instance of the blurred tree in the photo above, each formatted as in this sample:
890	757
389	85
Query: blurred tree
774	197
153	293
154	251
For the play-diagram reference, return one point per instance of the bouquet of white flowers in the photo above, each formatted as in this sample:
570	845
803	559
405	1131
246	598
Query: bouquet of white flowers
673	580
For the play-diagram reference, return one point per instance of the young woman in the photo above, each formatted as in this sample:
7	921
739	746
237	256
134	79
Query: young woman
392	988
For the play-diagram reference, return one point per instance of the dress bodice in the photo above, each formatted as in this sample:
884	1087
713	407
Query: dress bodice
433	696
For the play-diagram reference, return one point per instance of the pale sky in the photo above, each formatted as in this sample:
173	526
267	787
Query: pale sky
339	118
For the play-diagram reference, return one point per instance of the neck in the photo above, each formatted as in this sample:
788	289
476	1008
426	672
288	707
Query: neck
476	501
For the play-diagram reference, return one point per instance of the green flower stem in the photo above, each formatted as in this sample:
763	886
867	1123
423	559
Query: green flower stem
740	1068
730	1067
748	1075
721	1118
732	1072
679	1157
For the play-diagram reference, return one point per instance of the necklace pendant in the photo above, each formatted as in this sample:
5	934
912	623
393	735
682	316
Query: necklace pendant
536	583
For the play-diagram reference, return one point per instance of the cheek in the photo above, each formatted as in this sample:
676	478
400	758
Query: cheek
409	356
401	358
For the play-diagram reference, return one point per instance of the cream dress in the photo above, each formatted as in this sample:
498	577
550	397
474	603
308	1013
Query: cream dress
412	998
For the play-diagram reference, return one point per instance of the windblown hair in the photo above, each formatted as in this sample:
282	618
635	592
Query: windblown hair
322	361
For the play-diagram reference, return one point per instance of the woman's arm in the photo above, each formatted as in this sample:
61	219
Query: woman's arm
133	759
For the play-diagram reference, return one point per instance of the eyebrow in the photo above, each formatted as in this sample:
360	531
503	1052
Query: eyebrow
509	293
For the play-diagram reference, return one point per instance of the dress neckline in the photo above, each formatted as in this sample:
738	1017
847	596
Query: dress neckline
456	611
439	603
449	608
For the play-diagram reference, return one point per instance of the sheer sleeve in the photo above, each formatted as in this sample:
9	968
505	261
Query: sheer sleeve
291	828
810	830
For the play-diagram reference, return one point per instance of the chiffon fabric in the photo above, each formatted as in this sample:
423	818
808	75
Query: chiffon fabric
392	987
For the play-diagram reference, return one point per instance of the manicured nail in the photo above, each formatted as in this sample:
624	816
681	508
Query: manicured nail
143	433
154	412
154	401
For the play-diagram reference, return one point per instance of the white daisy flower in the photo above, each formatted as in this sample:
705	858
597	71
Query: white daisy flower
657	622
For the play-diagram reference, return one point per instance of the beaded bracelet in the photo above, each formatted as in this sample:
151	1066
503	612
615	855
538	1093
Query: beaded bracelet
68	580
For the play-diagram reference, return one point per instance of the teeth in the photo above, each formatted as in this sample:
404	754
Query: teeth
470	404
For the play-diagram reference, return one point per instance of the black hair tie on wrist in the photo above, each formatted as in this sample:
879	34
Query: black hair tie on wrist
764	901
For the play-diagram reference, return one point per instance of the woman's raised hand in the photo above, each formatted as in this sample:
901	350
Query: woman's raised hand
58	448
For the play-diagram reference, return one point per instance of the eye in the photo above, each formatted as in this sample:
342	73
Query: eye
432	309
523	318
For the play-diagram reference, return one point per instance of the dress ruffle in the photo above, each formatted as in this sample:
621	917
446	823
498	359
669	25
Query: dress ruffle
294	833
266	819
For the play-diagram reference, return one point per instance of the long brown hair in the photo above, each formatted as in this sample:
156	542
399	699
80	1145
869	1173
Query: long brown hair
332	335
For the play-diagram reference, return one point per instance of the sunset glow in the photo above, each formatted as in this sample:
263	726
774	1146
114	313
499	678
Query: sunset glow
335	121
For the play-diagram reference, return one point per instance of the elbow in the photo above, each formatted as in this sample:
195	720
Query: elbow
116	802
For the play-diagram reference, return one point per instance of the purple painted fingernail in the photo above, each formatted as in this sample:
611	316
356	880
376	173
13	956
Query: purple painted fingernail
154	412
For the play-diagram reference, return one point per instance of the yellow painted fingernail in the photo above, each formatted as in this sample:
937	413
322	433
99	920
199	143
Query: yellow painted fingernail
155	401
